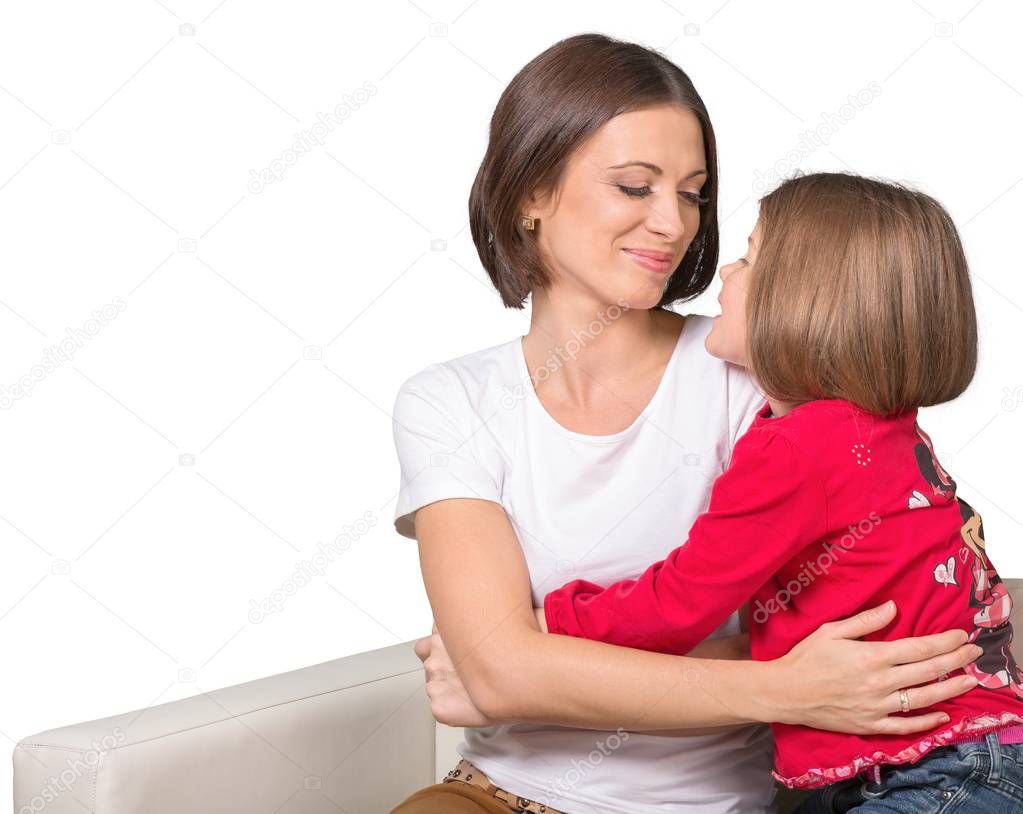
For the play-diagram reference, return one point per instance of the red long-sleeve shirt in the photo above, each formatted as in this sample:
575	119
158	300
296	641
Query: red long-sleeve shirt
823	512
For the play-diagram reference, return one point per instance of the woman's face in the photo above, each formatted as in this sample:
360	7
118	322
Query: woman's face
727	337
618	228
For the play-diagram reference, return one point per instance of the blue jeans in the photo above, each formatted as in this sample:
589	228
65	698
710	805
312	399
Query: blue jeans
984	777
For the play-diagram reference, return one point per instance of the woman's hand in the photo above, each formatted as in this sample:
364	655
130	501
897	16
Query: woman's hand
831	681
449	701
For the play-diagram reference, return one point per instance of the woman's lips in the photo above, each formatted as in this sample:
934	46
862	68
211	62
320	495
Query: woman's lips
660	262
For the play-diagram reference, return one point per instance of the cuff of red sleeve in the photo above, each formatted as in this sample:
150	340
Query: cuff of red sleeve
550	612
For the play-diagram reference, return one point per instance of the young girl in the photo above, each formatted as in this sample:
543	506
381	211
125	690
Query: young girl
852	309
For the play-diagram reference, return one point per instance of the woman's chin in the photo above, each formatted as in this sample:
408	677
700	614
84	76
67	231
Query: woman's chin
644	296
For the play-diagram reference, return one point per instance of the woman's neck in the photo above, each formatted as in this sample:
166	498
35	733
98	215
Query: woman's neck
594	345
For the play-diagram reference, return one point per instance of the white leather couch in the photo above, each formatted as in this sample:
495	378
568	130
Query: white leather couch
310	741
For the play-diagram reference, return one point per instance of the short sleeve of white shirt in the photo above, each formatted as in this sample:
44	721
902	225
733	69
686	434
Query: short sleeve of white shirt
433	435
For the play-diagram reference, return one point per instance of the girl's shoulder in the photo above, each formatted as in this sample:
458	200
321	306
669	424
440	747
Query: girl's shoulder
821	418
826	431
859	455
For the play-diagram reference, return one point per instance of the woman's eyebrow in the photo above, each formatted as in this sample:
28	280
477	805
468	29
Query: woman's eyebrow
655	169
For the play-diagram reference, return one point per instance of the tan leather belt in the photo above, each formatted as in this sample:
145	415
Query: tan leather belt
465	772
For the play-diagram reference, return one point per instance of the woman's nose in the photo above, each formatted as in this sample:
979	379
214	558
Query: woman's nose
666	219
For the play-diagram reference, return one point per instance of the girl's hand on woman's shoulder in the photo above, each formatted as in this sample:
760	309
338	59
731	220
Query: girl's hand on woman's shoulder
832	681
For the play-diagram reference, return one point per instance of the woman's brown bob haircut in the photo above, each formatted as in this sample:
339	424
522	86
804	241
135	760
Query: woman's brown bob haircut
557	101
860	291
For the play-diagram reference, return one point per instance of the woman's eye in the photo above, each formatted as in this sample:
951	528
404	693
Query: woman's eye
635	192
642	192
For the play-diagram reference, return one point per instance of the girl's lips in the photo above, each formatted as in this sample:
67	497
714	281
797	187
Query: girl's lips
653	261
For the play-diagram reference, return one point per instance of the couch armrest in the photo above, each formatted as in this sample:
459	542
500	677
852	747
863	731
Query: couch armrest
310	740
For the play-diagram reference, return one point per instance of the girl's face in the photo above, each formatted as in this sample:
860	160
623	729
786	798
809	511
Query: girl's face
727	337
628	207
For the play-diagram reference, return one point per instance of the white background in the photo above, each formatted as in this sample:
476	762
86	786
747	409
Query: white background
128	144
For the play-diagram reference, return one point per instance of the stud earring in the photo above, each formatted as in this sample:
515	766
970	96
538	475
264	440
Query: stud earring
528	222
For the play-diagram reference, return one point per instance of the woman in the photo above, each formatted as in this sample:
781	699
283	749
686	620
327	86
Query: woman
598	197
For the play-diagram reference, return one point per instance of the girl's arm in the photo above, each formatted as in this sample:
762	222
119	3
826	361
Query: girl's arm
765	508
478	585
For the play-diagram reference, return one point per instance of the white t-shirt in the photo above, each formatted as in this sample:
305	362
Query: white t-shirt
596	507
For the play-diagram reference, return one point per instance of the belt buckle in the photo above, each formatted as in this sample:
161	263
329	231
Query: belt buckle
521	804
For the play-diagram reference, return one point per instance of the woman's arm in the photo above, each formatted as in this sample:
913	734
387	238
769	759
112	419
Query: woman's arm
724	647
478	585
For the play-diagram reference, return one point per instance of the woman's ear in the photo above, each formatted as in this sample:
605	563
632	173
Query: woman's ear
540	205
